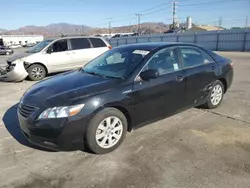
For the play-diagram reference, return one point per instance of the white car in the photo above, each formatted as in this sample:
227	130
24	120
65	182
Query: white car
57	55
15	46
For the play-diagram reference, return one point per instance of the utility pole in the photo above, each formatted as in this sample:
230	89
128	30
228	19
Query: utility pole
220	22
139	22
82	29
174	14
246	22
109	27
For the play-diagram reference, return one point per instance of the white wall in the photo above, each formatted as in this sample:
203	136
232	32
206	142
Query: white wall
21	39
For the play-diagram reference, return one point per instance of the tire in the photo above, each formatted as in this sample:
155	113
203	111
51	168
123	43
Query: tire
98	135
7	53
212	102
36	72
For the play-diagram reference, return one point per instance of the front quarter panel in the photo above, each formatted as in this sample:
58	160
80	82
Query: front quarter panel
120	98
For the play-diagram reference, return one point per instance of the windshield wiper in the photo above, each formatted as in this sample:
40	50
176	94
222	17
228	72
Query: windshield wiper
93	73
102	75
114	77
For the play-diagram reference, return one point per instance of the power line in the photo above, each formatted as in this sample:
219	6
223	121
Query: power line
160	5
210	2
114	18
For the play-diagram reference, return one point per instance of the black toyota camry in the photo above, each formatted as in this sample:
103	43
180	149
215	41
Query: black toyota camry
120	90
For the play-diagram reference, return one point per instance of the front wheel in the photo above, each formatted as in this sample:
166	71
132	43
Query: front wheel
215	96
106	131
36	72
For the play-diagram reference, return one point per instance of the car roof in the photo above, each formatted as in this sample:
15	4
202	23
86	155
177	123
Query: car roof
71	37
154	45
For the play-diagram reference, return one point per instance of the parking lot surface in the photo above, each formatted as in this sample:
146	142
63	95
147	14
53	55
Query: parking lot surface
3	58
196	148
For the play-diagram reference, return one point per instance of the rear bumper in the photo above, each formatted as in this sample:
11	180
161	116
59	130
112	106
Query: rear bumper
229	78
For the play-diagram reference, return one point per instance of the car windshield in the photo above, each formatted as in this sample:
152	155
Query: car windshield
39	46
116	63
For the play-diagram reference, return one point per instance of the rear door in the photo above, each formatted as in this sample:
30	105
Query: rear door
81	52
201	72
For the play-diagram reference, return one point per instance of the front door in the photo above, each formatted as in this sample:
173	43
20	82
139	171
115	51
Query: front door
201	71
58	56
164	95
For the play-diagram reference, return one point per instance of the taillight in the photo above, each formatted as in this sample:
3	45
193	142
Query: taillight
110	47
232	64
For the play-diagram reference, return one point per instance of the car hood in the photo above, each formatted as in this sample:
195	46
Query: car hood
17	56
67	89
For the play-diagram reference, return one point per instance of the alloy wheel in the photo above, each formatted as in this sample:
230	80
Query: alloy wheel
109	132
37	72
216	95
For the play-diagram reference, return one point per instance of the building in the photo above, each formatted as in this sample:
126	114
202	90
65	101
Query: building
20	39
199	28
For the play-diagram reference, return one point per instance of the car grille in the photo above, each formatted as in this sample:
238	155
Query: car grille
26	110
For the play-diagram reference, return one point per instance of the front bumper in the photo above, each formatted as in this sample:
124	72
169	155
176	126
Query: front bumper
13	73
65	134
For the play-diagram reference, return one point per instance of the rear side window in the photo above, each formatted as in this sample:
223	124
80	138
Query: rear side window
79	43
194	57
96	42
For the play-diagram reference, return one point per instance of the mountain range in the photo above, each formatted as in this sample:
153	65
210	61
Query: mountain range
66	28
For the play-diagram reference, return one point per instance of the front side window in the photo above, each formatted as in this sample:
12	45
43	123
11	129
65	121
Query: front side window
96	42
79	43
194	57
60	46
164	61
119	62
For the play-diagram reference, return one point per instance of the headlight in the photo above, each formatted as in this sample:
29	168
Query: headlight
61	112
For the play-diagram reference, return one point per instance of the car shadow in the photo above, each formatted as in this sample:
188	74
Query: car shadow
11	123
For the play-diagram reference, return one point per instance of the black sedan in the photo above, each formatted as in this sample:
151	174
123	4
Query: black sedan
120	90
5	50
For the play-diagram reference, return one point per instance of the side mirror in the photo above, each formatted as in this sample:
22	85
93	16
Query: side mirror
50	50
149	74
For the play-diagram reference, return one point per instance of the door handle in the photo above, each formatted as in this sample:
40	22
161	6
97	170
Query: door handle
179	78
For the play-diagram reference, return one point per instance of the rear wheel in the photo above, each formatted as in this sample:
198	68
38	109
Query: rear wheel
215	96
106	131
36	72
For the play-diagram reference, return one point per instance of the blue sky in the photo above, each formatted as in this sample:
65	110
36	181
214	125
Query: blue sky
17	13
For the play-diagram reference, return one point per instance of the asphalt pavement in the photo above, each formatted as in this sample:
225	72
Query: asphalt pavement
196	148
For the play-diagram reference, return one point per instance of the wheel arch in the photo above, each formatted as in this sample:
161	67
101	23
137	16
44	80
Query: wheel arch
224	82
38	63
126	114
122	109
